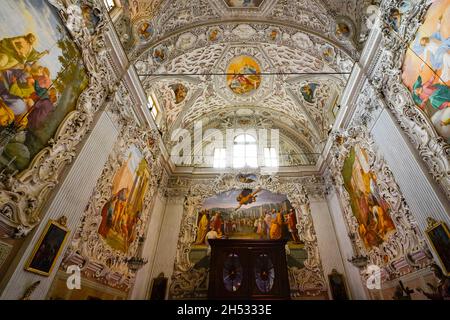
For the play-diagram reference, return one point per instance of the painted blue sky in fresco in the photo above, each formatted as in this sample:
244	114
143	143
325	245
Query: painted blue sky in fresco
228	200
20	17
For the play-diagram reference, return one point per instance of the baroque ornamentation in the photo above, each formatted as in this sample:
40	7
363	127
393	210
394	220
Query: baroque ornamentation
211	94
22	196
387	79
188	282
405	249
88	250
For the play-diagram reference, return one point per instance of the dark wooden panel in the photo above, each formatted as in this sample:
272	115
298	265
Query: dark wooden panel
247	252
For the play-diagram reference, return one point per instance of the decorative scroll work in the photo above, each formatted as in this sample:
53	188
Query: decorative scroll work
88	249
387	79
188	282
405	250
22	196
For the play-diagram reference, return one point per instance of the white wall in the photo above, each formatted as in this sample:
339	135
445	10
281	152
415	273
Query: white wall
329	251
423	196
70	200
354	280
168	239
143	278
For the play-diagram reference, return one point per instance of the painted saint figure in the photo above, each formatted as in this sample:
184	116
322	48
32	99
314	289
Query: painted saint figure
216	223
275	228
436	50
292	225
203	227
16	52
111	212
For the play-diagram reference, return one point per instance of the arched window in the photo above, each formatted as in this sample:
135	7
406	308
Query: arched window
245	151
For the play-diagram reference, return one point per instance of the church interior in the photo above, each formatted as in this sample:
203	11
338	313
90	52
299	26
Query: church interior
224	149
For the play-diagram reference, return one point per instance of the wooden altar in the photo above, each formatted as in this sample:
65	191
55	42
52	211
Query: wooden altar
248	269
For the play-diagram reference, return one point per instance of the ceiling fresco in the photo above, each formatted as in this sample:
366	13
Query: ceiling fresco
288	60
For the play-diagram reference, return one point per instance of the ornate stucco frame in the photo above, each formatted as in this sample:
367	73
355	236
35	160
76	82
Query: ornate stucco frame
88	250
23	196
387	80
407	239
186	280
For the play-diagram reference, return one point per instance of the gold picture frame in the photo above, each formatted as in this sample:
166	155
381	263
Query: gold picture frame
338	287
439	237
48	248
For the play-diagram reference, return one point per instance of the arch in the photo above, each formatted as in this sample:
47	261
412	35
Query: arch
186	280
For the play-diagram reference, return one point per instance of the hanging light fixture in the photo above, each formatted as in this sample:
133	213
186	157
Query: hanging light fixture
359	260
137	262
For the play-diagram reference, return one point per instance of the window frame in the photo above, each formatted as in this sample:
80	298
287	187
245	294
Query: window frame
250	150
220	158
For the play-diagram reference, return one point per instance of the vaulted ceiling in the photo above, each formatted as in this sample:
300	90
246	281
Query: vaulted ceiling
301	53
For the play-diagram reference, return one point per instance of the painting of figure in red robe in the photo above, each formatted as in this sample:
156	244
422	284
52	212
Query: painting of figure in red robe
121	214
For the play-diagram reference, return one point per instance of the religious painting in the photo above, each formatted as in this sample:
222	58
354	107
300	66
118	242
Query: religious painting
368	206
337	286
243	3
145	30
159	287
246	178
308	92
395	17
214	34
243	75
426	69
255	214
274	34
439	237
121	213
91	17
328	53
343	30
160	54
47	249
41	77
180	92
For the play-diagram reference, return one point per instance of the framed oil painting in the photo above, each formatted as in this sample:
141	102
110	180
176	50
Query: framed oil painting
159	287
121	213
439	237
337	286
41	78
48	248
